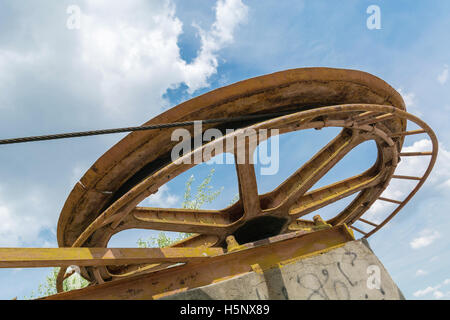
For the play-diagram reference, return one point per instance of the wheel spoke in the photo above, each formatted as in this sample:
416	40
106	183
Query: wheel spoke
319	198
248	187
292	189
179	220
357	207
248	190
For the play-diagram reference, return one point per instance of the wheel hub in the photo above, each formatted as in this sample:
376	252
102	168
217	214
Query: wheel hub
260	228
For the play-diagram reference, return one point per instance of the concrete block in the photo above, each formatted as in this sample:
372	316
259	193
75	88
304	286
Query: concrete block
349	272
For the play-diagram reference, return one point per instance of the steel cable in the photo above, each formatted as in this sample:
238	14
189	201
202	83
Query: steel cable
139	128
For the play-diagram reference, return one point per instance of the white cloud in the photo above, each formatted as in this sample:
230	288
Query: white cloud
162	199
439	179
416	166
438	294
441	173
8	61
411	166
122	60
229	14
421	272
424	292
426	238
135	51
443	76
410	101
434	259
22	220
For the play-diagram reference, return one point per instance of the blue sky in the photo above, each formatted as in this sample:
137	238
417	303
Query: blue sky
129	62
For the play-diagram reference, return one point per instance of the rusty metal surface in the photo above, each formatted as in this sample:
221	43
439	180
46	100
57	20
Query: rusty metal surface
81	257
106	199
263	255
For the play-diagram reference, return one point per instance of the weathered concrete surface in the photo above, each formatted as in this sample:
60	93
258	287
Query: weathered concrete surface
343	273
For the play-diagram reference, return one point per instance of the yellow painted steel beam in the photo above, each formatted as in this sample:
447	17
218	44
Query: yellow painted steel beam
60	257
269	253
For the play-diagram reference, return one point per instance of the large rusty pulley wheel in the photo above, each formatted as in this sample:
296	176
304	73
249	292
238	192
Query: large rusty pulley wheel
105	201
